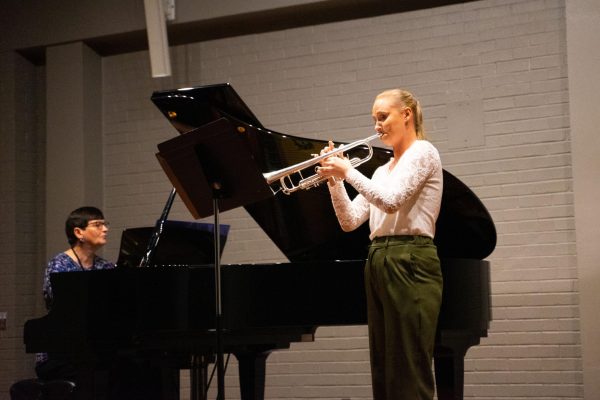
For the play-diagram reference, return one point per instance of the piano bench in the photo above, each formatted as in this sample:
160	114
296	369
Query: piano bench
38	389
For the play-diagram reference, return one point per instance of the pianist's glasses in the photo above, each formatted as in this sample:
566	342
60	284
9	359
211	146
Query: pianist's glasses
98	224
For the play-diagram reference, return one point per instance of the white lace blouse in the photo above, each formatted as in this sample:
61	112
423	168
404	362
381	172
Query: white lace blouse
403	201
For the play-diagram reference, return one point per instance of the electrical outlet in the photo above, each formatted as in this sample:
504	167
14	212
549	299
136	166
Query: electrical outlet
3	320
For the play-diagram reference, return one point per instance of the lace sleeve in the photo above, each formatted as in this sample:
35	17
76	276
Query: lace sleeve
408	178
350	214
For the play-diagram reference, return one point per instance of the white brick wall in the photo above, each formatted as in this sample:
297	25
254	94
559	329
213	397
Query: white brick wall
507	57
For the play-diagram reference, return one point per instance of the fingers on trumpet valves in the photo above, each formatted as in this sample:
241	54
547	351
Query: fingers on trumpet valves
330	147
321	169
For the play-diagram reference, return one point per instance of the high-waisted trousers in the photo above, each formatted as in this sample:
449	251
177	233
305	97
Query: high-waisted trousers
403	283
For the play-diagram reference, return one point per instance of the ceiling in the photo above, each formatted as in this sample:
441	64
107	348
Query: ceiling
249	23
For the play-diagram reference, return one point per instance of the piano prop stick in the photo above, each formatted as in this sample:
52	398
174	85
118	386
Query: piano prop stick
148	257
213	171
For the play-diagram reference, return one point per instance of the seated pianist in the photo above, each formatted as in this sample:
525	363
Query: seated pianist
126	377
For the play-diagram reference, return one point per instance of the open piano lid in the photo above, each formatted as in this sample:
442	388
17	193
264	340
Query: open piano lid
303	225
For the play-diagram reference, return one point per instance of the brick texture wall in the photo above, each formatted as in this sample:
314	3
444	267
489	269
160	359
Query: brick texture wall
491	76
21	232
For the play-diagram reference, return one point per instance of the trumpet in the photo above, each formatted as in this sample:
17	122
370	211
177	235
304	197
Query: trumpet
284	175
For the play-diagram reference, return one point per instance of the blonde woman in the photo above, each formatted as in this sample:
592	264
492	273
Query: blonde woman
402	274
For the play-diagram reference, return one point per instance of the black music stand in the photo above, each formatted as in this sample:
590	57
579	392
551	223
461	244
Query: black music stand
213	171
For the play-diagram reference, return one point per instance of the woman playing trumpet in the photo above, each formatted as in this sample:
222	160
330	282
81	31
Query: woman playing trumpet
402	274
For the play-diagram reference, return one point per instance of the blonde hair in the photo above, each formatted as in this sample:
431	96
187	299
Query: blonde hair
404	98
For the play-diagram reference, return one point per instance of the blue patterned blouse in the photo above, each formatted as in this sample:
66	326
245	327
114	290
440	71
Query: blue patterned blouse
63	263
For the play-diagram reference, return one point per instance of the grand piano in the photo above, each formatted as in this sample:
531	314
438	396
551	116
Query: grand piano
166	312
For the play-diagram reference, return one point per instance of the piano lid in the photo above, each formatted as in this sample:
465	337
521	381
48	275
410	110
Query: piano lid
303	225
189	108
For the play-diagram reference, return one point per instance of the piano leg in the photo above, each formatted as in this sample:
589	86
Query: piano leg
450	365
199	377
448	377
252	367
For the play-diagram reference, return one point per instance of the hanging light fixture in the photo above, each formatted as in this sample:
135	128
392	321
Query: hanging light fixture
158	42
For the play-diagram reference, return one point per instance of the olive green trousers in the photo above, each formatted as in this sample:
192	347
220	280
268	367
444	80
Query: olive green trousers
403	283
